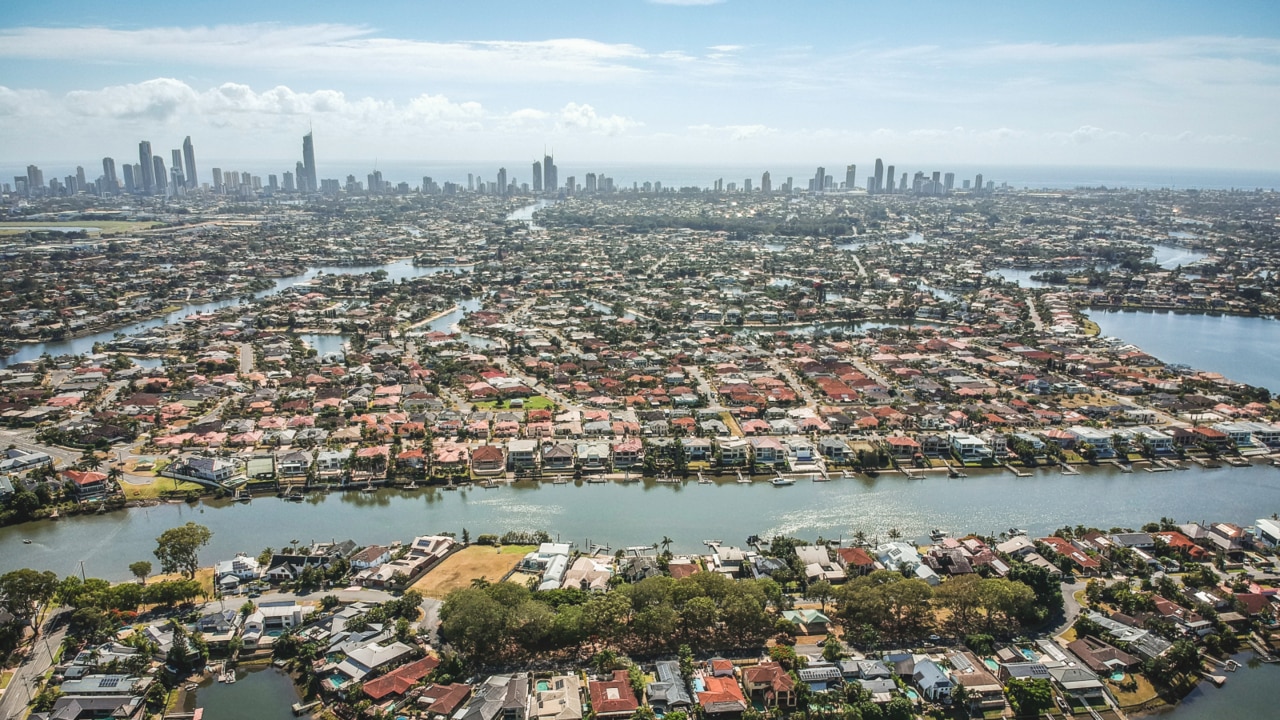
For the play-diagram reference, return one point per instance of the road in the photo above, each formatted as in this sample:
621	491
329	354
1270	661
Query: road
23	686
246	358
1070	606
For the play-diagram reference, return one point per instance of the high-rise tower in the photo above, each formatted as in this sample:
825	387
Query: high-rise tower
820	179
148	168
537	176
549	181
878	180
308	165
850	176
109	173
158	175
889	178
189	156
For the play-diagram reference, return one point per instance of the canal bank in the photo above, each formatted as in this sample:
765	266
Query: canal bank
259	693
641	513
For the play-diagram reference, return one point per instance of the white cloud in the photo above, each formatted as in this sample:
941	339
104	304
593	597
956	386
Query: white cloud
732	132
346	50
585	117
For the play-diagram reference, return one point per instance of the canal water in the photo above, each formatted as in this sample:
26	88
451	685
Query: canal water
257	694
1243	349
620	515
1250	693
396	271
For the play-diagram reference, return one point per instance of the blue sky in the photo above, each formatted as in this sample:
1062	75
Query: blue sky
1182	84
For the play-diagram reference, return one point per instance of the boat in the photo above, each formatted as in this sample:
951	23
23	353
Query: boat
937	535
450	486
412	485
781	481
26	541
560	480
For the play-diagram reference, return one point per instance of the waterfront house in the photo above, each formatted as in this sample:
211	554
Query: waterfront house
1102	658
522	454
396	683
855	560
733	451
613	698
593	457
628	453
228	574
1078	685
373	657
270	618
86	484
442	701
968	448
818	564
557	457
370	557
488	460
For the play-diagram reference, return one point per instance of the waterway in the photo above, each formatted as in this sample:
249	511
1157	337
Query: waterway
1243	349
396	271
257	694
640	513
1250	693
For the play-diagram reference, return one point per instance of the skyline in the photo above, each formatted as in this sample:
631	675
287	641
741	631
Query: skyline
1162	84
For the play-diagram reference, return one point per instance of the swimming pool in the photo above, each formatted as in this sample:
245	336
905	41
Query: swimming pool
699	685
915	696
543	686
1117	677
992	665
1028	654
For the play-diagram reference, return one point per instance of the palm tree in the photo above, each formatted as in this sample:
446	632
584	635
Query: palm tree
665	543
894	533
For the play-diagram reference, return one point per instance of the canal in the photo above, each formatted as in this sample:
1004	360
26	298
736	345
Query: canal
259	693
621	515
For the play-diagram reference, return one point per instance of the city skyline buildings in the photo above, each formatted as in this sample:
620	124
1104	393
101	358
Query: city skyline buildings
1187	87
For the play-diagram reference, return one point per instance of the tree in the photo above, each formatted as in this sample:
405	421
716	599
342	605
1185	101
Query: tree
821	591
25	590
1029	698
141	570
178	549
832	648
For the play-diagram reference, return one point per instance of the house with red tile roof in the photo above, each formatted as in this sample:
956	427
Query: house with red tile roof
722	696
397	682
771	684
613	698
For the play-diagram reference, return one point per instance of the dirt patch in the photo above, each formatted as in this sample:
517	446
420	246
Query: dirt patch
471	563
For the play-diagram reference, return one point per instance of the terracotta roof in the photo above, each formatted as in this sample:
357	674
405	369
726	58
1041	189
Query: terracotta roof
613	697
398	681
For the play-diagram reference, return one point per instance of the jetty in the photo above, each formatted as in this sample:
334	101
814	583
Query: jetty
302	709
1015	471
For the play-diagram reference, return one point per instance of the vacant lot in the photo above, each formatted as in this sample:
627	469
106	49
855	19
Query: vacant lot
477	561
98	226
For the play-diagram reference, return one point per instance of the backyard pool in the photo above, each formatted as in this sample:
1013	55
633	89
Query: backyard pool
1117	677
1029	654
699	685
543	686
992	665
915	696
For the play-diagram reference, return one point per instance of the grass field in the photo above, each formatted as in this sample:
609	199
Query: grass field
1144	693
537	402
103	226
477	561
155	489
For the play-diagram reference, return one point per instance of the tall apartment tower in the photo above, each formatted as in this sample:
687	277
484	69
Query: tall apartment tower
148	166
308	165
879	177
158	175
189	164
502	181
300	177
537	176
175	169
949	182
850	176
550	183
820	179
977	183
766	183
109	173
130	185
889	178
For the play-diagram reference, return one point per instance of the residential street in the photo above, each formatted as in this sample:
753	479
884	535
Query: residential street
22	687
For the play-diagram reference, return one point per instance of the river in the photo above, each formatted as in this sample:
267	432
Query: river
1250	692
1243	349
619	514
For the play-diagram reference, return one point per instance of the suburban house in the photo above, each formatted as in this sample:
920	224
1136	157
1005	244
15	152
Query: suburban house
613	698
272	616
770	684
721	696
488	460
501	697
668	692
560	699
522	454
86	484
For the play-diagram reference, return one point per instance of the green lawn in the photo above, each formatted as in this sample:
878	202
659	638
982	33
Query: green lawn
537	402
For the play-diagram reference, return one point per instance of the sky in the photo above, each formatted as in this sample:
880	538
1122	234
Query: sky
1116	83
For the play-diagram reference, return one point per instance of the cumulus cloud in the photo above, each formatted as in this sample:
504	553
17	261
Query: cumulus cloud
585	117
159	99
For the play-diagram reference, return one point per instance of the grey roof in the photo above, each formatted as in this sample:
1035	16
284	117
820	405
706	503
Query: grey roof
670	689
498	693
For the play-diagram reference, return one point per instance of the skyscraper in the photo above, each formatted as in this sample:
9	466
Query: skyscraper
158	175
549	181
189	155
109	172
820	179
175	170
949	182
766	183
850	176
300	177
879	177
502	181
537	176
35	180
80	181
977	183
308	165
889	178
148	168
129	186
